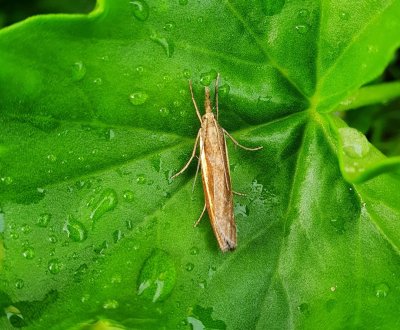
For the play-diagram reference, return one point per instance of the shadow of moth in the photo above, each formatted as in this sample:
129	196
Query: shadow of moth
215	173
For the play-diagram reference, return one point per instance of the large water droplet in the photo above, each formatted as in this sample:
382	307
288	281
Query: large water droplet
355	144
165	43
140	10
29	253
78	71
75	230
106	202
206	78
19	284
157	277
382	290
138	98
189	266
54	266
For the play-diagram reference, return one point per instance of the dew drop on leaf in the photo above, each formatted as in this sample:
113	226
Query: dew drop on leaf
53	239
223	90
164	112
165	43
157	276
106	202
186	73
344	16
303	13
189	266
194	251
117	236
138	98
382	290
78	71
54	266
98	81
304	308
207	78
75	230
169	26
43	220
7	180
302	28
19	283
355	144
128	195
110	304
183	2
25	228
29	253
140	10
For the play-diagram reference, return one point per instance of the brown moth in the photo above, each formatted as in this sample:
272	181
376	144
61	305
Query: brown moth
214	164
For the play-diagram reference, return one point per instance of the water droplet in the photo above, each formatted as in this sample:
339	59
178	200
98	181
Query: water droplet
78	71
29	253
85	297
43	220
206	78
102	248
224	90
189	266
98	81
194	250
164	112
128	195
240	209
140	10
53	239
116	279
141	179
25	228
303	13
165	43
183	2
106	202
302	28
344	16
110	304
54	266
75	230
138	98
355	144
14	235
381	290
19	284
7	180
186	73
129	224
80	272
203	284
200	19
304	309
157	277
169	26
117	236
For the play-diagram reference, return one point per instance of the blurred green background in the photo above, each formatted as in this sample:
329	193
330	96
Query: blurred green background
380	123
12	11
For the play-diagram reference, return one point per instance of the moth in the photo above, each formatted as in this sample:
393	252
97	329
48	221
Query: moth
215	173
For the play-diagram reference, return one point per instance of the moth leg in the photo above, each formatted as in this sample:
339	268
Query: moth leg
191	158
201	215
238	193
197	169
238	144
216	94
194	101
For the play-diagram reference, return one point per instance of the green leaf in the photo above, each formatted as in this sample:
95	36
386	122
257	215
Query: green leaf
96	117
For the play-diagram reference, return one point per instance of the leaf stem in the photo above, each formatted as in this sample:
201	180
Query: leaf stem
369	95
